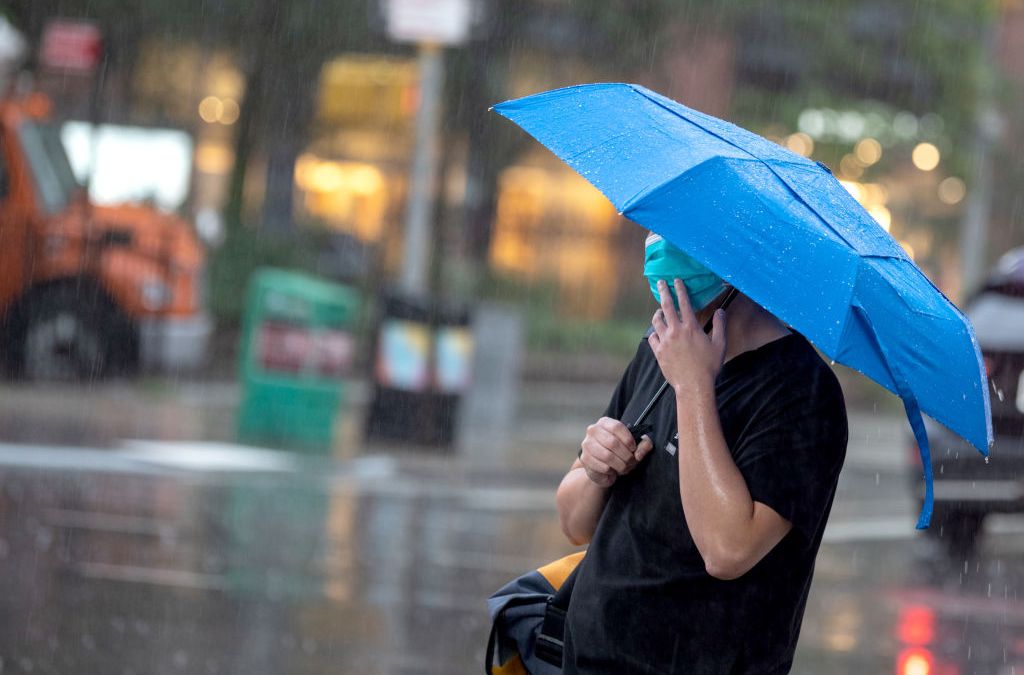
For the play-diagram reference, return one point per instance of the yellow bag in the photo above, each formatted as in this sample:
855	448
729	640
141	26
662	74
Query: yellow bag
528	620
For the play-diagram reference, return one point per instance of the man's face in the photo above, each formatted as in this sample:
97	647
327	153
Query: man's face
706	312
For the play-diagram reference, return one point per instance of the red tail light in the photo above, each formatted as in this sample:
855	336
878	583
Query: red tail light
916	626
915	661
915	629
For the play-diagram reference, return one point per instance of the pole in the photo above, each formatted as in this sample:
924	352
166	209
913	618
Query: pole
418	227
977	212
95	101
978	209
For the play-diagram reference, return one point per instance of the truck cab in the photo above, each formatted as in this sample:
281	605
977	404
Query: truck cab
85	290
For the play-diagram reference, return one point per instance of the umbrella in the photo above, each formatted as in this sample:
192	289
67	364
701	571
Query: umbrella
781	229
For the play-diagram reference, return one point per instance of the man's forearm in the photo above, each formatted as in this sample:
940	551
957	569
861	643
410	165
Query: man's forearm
717	503
580	504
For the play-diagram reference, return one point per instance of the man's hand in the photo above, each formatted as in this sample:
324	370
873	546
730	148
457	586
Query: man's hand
609	451
687	357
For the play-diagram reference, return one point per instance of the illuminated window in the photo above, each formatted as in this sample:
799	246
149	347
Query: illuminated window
552	225
349	196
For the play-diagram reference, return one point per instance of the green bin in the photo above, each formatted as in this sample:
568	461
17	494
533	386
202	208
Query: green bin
297	345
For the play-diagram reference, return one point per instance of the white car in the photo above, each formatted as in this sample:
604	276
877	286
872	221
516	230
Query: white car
966	487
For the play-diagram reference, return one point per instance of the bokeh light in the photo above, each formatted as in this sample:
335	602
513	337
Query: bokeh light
210	109
850	166
926	156
800	143
229	112
854	188
915	661
874	193
882	215
868	151
952	190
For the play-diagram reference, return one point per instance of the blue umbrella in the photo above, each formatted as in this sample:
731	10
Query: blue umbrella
782	230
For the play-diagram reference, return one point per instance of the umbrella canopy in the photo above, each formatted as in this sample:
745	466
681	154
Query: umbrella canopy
782	230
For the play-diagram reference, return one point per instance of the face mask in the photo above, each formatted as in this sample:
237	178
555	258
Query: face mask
663	261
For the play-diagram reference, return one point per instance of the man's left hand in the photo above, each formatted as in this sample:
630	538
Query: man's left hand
687	356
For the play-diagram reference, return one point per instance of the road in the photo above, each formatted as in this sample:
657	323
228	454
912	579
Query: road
184	556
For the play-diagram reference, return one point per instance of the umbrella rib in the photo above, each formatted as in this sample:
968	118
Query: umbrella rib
658	103
603	143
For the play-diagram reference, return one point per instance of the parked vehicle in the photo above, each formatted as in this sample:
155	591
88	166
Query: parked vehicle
967	488
85	290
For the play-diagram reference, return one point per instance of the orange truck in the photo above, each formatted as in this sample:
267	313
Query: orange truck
88	291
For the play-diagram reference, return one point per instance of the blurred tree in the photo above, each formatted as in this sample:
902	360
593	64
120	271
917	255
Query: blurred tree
789	55
279	45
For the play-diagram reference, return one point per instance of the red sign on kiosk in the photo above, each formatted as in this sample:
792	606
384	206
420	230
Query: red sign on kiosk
289	348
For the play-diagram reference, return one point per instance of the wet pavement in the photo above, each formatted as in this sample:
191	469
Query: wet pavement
194	557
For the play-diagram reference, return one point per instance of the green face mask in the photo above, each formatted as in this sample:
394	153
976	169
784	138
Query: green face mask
663	261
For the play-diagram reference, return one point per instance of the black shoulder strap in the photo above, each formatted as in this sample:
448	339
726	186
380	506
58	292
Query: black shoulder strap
564	593
492	639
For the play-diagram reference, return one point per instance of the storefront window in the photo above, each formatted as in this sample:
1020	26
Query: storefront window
551	225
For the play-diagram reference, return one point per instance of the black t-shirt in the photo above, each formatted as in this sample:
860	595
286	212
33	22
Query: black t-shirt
643	602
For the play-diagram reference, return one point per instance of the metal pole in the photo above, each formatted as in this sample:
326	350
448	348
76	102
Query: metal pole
95	101
978	209
424	167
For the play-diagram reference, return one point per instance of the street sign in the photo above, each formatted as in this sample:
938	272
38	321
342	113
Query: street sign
71	45
442	22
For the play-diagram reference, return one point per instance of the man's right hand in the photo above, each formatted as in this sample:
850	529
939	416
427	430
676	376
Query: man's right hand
609	451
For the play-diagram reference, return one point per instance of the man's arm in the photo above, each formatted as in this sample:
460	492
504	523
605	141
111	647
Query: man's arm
731	530
607	452
580	502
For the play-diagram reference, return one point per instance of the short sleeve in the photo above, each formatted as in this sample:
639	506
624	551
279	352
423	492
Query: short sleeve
793	450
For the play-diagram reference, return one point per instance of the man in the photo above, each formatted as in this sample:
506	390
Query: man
703	536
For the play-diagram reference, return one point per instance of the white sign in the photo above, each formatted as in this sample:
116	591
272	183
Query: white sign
445	22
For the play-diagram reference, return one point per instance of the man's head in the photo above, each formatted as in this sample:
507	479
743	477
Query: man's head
663	261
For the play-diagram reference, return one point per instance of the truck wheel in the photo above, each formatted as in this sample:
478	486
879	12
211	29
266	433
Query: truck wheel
65	334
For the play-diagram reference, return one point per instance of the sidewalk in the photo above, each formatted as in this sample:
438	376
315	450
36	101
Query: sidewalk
553	417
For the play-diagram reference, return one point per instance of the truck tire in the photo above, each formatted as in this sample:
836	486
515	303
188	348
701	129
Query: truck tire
66	333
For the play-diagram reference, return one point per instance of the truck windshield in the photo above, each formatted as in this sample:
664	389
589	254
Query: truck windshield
54	180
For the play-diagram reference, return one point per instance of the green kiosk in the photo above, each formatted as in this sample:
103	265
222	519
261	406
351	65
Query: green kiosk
297	345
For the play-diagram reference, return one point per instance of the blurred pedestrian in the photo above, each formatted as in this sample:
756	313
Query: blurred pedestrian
702	536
